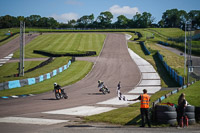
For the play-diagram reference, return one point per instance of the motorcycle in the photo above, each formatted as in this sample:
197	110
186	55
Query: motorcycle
59	94
104	90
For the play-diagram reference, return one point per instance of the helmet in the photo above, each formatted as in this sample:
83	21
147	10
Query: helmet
99	81
55	84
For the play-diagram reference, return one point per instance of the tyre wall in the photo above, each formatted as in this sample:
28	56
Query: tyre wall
165	114
197	114
190	112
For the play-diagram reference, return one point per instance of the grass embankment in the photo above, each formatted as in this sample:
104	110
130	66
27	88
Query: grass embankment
10	69
76	71
192	94
6	38
64	42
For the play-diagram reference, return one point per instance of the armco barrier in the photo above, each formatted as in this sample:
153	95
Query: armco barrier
179	79
163	43
146	51
30	81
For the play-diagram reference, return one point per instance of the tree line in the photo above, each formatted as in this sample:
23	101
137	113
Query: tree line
173	18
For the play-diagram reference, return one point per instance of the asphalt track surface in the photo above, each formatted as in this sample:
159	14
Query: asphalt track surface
113	65
14	45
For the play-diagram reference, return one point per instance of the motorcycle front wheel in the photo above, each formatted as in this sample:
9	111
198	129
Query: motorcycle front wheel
57	96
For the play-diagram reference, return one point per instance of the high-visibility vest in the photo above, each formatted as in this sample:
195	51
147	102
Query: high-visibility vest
144	101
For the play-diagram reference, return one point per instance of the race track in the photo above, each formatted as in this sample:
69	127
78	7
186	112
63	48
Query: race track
113	65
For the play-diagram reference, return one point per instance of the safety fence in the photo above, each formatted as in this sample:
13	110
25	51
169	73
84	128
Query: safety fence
146	51
163	43
30	81
159	100
179	79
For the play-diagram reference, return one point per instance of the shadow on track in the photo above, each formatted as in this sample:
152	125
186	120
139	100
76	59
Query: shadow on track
50	99
95	93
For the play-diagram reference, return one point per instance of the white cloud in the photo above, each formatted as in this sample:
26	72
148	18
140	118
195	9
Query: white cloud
125	10
65	17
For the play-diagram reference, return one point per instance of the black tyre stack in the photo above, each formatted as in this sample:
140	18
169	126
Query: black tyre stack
197	114
166	114
190	112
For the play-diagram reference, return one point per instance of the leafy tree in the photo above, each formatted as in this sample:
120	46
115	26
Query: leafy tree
8	21
104	19
194	15
143	20
85	21
122	22
174	18
33	20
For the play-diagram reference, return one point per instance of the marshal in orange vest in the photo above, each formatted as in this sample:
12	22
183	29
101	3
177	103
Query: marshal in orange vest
145	101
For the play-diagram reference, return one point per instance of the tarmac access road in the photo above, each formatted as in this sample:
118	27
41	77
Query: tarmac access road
113	65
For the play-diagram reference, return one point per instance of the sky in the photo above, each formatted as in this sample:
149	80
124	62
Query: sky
65	10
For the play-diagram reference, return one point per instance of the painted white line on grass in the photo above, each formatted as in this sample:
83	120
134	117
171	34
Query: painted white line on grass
116	101
38	121
81	110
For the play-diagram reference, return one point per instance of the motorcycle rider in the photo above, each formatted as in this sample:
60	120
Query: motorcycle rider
57	88
100	84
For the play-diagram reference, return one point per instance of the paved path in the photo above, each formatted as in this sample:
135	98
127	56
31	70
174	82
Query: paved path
115	63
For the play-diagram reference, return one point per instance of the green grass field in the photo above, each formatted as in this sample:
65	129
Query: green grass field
192	94
76	71
64	42
12	68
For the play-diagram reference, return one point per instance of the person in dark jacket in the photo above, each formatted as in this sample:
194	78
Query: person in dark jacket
181	108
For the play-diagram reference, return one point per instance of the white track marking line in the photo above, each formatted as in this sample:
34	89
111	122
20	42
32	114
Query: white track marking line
81	110
116	101
38	121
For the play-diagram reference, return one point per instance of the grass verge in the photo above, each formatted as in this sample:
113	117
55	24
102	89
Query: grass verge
192	94
77	71
12	68
64	42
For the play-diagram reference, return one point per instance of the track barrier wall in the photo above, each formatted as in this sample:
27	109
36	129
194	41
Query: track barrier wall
146	51
163	43
179	79
31	81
